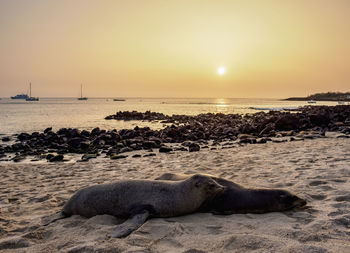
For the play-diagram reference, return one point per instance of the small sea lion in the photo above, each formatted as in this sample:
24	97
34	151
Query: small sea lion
138	200
238	199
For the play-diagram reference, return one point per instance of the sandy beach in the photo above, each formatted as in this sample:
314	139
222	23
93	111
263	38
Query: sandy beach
317	170
253	94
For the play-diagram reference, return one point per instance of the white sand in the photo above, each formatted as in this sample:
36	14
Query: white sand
318	170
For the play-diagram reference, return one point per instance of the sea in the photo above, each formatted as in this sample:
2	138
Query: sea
18	116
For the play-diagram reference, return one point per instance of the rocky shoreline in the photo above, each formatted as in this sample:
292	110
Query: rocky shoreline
182	133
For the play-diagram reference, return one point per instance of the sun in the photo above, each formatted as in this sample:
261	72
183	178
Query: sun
221	70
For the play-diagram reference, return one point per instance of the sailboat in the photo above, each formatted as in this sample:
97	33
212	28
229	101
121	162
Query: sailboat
30	98
81	94
20	96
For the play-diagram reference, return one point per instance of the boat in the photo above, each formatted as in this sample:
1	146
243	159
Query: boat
311	102
81	94
118	99
341	103
30	98
20	96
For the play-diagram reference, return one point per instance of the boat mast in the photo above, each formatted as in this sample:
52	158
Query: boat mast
30	90
81	90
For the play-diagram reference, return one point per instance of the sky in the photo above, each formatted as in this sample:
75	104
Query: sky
163	48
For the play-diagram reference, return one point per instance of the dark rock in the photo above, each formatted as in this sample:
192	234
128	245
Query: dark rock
136	156
74	133
85	144
150	144
322	119
23	136
288	122
47	130
343	136
6	139
165	149
56	158
125	149
115	157
75	142
62	131
18	158
85	133
248	140
151	154
86	157
156	140
95	131
49	156
193	147
245	136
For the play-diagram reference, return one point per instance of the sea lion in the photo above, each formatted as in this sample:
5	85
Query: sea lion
137	200
238	199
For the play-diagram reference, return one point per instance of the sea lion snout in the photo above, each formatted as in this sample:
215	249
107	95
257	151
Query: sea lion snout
291	201
299	202
207	183
216	188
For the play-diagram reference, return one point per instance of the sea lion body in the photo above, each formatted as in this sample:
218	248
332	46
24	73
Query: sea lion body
162	198
238	199
137	200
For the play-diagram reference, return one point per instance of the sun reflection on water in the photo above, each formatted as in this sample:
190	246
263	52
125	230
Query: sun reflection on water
221	105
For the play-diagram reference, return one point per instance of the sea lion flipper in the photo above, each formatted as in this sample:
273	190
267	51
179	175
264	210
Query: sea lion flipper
130	225
55	217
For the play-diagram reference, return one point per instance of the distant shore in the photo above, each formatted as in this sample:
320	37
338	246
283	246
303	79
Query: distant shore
329	96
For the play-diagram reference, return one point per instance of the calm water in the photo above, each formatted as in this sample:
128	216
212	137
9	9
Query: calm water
21	116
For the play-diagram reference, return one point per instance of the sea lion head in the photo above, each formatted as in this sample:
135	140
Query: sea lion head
277	200
289	200
206	183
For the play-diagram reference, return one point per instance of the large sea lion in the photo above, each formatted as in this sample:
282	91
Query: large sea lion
137	200
238	199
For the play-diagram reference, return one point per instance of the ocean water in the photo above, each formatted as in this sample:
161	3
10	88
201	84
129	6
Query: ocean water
18	116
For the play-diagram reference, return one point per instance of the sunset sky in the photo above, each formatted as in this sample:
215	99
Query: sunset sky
163	48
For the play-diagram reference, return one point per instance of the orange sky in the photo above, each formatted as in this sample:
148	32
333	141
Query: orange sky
164	48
